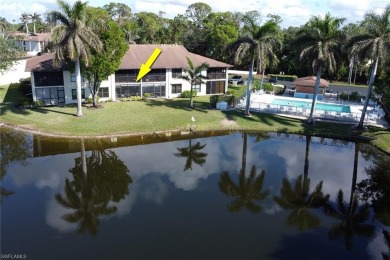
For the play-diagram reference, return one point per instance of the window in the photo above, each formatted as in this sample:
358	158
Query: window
197	87
74	93
54	78
176	73
176	88
73	77
103	92
215	87
50	96
216	73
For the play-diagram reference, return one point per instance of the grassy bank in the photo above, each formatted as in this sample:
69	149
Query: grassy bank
155	115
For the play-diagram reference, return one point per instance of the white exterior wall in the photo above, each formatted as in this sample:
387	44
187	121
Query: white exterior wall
110	83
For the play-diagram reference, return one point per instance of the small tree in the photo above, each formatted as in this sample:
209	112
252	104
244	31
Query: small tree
194	76
106	62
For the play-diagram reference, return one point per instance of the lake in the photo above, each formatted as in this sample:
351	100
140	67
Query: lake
202	195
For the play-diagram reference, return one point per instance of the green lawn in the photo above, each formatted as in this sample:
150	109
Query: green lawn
135	117
342	83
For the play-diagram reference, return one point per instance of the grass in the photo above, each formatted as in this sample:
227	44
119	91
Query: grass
155	115
342	83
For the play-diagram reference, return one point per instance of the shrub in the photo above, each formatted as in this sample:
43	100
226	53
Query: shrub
187	94
135	98
25	87
38	103
230	92
355	96
147	95
88	100
343	95
214	100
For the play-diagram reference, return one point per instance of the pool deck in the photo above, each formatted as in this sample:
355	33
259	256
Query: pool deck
263	103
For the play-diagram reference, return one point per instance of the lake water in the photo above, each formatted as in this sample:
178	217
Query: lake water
211	195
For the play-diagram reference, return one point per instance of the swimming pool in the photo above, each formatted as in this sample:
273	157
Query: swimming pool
306	104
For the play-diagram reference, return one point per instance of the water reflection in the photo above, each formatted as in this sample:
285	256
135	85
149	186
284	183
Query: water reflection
98	179
376	188
352	216
192	153
159	212
248	190
15	147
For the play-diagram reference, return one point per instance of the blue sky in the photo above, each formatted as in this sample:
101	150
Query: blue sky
293	12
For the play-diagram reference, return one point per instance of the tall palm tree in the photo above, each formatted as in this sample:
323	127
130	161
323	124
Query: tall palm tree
35	18
25	18
256	46
194	76
298	199
73	39
248	190
373	45
321	41
193	154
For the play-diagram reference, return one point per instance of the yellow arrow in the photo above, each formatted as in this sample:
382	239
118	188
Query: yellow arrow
146	68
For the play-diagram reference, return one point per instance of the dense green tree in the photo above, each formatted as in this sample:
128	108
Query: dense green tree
257	44
194	76
73	39
177	28
9	53
373	45
321	41
221	30
106	62
149	25
193	154
195	38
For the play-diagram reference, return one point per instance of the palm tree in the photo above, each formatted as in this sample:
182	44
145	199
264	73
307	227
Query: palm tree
320	39
73	39
35	18
4	25
194	76
373	45
300	201
256	45
249	189
193	154
25	18
352	216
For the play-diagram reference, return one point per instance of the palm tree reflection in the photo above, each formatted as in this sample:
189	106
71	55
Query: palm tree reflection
298	199
193	154
97	180
352	216
248	190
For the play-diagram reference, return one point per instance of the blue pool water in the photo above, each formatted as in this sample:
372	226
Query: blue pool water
307	104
